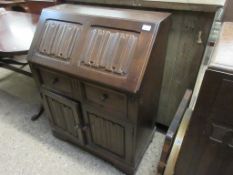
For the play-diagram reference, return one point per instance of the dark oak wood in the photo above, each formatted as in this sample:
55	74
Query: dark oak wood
109	63
207	147
125	73
192	21
29	6
36	6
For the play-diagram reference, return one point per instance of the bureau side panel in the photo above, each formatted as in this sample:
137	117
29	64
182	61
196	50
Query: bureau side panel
186	45
150	91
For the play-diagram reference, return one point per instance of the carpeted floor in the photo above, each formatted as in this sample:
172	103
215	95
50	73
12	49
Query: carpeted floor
28	148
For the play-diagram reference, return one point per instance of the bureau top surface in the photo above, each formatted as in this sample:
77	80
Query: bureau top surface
106	45
222	58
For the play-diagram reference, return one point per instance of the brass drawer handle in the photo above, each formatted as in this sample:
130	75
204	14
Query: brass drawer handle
104	97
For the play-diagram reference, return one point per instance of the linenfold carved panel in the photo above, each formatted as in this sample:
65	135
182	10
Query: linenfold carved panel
109	50
107	134
59	38
62	115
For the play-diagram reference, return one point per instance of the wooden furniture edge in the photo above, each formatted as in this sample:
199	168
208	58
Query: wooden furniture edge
158	4
171	163
172	130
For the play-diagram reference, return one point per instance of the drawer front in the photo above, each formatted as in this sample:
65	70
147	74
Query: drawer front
109	137
64	115
108	99
57	81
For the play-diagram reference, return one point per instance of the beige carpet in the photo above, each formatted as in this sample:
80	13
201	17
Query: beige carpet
28	148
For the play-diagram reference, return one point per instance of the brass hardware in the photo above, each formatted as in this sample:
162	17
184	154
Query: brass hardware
199	39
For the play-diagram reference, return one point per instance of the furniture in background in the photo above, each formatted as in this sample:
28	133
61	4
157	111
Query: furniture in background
16	34
180	120
94	67
228	14
17	5
204	141
36	6
29	6
2	9
192	21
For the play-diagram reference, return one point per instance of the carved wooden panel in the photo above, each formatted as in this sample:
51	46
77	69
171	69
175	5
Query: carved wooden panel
107	134
64	114
59	38
109	49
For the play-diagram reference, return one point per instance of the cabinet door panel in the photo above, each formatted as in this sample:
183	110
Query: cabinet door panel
64	114
107	134
109	137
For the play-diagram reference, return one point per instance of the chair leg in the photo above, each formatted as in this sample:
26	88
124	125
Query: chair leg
38	115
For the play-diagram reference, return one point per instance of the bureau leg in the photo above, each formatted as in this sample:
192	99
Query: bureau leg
36	116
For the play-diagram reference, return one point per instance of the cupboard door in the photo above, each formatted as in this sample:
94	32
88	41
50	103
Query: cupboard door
109	137
64	115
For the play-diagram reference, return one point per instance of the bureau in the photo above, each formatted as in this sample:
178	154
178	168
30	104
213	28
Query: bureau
99	71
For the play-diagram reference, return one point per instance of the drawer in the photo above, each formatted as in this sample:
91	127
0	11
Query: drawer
56	81
107	99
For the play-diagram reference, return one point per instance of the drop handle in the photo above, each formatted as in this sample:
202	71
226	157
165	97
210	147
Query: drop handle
104	97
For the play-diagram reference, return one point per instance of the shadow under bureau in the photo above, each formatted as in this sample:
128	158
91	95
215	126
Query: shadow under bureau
99	71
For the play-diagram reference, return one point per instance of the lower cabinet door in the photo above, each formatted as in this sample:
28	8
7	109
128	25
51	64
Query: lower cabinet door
64	115
109	137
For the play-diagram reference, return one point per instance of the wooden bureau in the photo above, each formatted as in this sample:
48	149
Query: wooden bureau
99	71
